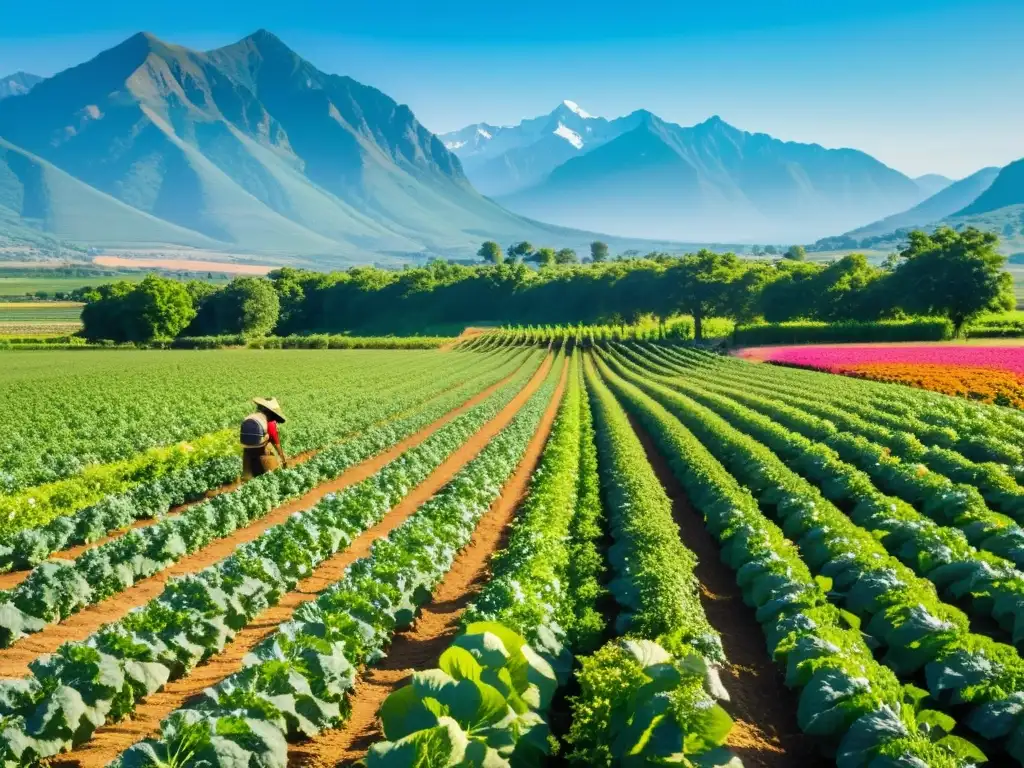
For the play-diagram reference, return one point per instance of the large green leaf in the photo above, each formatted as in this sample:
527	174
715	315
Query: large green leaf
404	712
473	704
962	749
486	646
460	664
441	746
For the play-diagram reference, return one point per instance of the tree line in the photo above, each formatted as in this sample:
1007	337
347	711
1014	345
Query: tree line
948	273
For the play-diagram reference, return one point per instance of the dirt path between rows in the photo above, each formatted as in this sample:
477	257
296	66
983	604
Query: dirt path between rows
765	734
14	661
111	740
421	646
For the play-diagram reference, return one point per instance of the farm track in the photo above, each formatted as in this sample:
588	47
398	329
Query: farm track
14	660
421	646
765	733
110	740
14	578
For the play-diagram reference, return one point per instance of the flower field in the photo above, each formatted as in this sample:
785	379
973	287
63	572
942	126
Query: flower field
992	374
589	551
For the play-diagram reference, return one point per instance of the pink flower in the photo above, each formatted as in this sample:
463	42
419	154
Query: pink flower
843	357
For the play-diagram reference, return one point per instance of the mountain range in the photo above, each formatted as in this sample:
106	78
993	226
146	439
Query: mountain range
991	199
941	205
640	175
18	84
247	148
250	149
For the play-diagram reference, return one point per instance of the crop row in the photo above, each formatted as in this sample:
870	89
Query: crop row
152	498
333	415
56	589
85	684
530	606
39	505
846	698
991	585
938	499
525	599
648	696
62	421
296	682
903	613
980	432
995	482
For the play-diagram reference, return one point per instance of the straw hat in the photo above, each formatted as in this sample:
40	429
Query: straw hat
270	404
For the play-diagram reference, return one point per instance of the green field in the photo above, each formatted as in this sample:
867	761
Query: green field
561	510
40	312
23	286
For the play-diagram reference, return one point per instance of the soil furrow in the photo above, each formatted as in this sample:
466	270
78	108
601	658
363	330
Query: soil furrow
14	661
112	739
765	734
421	646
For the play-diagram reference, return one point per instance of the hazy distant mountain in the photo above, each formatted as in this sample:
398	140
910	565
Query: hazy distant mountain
932	183
501	160
713	182
250	147
37	194
939	206
1006	189
17	84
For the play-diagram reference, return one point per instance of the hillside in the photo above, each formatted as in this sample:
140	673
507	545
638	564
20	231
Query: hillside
1007	189
714	182
939	206
251	147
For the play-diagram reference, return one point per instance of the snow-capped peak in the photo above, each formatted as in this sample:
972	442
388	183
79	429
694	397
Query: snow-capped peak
453	145
569	135
482	132
574	107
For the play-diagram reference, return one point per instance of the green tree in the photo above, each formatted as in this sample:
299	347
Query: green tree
520	251
544	256
955	274
770	250
104	316
491	251
598	251
249	305
795	253
566	256
158	308
706	284
756	250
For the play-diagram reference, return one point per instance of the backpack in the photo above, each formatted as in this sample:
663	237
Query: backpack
254	431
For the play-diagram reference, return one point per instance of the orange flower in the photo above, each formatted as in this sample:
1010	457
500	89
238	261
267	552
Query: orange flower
985	384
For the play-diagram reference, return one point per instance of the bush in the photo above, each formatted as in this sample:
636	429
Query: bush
208	342
916	329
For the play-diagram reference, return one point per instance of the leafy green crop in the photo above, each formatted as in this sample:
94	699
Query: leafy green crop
297	679
842	687
196	616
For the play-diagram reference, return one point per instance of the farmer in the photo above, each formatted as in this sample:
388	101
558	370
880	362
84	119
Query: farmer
258	435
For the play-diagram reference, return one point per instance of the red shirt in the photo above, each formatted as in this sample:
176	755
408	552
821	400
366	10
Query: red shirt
272	431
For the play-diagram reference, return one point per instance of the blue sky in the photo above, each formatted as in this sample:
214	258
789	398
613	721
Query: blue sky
931	86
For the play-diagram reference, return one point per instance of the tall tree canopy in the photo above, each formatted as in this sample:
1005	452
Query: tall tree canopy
955	274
